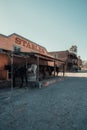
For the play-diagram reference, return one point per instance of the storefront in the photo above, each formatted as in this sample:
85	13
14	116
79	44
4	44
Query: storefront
17	50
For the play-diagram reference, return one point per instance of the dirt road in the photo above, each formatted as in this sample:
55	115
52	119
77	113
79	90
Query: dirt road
61	106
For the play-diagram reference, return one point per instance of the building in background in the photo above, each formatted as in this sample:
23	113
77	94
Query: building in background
70	59
79	63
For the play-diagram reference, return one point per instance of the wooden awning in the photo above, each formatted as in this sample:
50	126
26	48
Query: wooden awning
33	54
44	57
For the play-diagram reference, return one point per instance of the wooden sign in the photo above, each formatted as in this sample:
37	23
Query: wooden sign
30	45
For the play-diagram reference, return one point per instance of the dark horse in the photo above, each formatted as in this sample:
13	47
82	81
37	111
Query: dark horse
52	69
21	73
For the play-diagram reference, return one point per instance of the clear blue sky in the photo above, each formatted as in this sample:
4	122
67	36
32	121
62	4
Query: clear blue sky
54	24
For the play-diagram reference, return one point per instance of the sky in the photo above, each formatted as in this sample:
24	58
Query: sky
53	24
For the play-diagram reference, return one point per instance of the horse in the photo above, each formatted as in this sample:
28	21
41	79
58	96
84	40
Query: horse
20	72
52	69
23	75
32	68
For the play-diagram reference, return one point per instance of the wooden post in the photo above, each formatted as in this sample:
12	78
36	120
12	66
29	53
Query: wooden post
63	70
54	68
11	70
37	75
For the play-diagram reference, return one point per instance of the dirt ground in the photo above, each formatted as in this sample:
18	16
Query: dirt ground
60	106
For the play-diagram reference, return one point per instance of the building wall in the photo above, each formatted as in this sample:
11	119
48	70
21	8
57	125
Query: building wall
23	45
4	60
63	55
70	59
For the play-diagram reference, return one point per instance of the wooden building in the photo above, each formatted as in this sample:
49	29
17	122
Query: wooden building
17	50
70	59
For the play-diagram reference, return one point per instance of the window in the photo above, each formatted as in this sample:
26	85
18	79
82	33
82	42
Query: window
17	49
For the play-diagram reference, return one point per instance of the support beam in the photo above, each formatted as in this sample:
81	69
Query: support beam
37	75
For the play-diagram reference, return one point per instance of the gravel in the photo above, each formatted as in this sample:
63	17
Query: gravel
60	106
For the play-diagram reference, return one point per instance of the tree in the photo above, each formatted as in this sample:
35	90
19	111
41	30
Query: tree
73	49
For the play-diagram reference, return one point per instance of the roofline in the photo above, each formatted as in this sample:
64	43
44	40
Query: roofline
48	56
58	51
3	35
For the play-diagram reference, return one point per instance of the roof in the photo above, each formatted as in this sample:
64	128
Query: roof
35	54
45	57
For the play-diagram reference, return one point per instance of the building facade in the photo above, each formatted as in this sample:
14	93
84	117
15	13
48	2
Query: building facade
70	59
15	43
17	50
